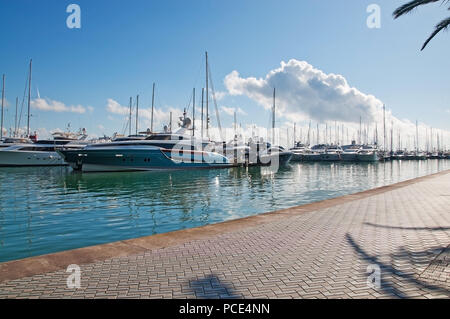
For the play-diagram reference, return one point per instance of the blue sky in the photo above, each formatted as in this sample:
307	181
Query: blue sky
125	46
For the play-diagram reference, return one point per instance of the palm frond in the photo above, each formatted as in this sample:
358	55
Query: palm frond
408	7
443	25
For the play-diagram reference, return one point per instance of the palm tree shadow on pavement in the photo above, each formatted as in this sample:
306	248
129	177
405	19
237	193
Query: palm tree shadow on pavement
211	287
388	286
410	228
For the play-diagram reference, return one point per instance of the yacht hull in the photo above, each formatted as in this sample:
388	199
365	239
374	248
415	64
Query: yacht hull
368	157
22	158
312	157
330	157
281	159
296	157
154	159
349	157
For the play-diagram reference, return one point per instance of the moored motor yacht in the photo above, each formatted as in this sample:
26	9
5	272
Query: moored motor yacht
275	155
40	153
315	153
350	152
159	151
298	152
368	153
332	153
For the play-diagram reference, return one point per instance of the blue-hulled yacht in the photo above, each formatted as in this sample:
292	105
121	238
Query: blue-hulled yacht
159	151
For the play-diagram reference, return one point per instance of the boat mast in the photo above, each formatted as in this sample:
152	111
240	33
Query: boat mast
294	134
15	118
309	133
318	135
273	118
203	93
170	122
417	137
207	97
392	138
335	133
3	102
235	128
29	99
359	133
153	106
384	128
431	139
193	112
137	113
129	128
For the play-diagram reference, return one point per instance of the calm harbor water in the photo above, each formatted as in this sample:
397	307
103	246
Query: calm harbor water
45	210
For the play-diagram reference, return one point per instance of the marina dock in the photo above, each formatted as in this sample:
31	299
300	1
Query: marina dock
318	250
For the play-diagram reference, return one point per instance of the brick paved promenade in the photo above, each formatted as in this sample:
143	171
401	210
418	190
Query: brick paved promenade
319	250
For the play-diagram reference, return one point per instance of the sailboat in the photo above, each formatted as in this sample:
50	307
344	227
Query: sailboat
27	151
273	153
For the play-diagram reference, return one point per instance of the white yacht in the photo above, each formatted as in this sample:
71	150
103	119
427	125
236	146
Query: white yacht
23	152
315	154
298	152
332	153
350	152
368	153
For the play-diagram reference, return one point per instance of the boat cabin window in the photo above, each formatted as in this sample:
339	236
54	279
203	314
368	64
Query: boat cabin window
38	149
164	137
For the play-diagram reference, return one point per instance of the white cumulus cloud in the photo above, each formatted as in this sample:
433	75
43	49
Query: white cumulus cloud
114	107
230	110
56	106
303	91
